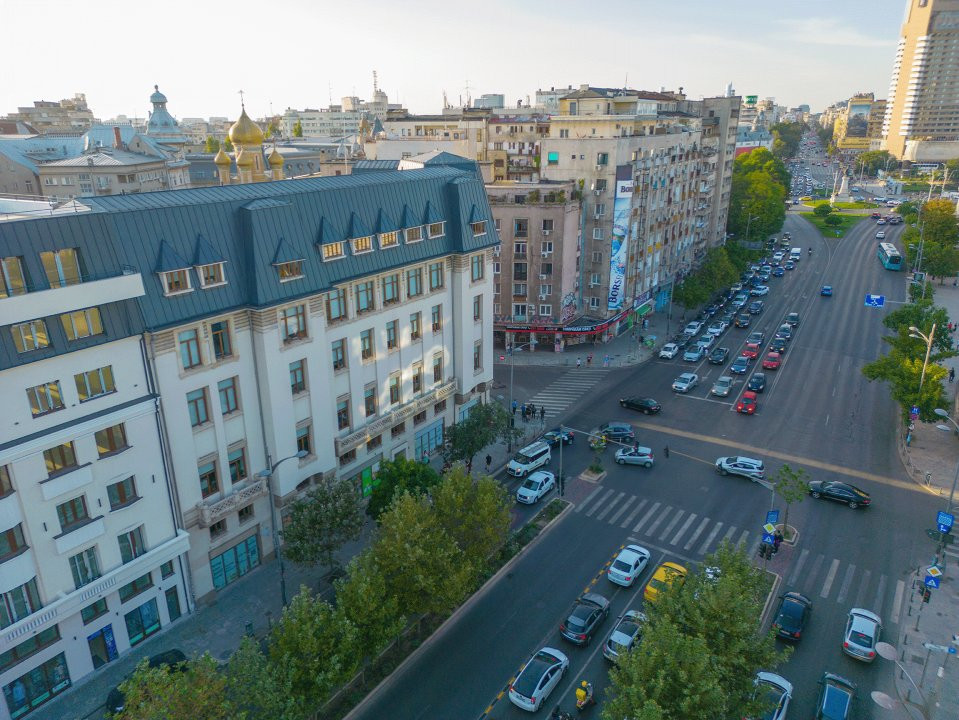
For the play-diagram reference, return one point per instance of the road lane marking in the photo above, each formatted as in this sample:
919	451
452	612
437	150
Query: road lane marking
709	540
846	582
728	535
629	501
815	571
795	572
599	502
861	595
699	530
897	600
672	524
742	539
589	497
662	516
880	600
684	528
634	513
830	576
646	517
610	506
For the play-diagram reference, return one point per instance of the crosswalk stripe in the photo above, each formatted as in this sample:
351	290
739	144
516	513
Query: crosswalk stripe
897	600
808	579
861	595
830	576
846	582
699	530
672	524
610	506
709	539
646	517
880	600
599	503
684	528
634	513
662	516
795	572
728	535
742	539
624	508
589	497
754	548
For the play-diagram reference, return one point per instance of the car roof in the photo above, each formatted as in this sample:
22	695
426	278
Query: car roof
540	475
749	395
595	598
864	616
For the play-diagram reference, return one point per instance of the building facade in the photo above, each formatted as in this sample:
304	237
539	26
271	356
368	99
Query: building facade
71	115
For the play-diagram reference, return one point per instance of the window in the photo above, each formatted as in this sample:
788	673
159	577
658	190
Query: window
391	289
416	326
123	493
82	323
419	418
594	302
12	281
166	570
30	336
45	398
602	158
333	251
18	603
600	209
85	567
366	344
228	396
389	239
111	440
546	269
92	612
31	646
373	443
6	482
135	587
364	297
235	562
436	276
438	368
298	376
478	228
392	332
519	289
545	289
496	268
477	308
211	275
519	309
292	270
293	323
336	305
521	271
597	233
197	406
236	461
519	248
439	407
304	439
343	413
548	224
220	335
545	310
597	256
62	267
217	529
72	513
60	459
245	513
397	430
477	267
12	542
478	355
43	682
413	234
94	383
362	244
437	229
176	281
436	315
547	247
348	457
209	482
189	348
521	228
369	400
394	389
414	282
600	186
418	378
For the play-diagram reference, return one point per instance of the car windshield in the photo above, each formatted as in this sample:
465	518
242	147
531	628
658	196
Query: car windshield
834	704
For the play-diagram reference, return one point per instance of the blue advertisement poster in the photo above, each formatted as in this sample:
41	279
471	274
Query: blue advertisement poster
620	246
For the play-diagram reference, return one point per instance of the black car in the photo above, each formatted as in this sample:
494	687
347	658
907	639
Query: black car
791	617
757	337
719	355
756	307
584	618
792	319
116	700
743	320
778	345
553	436
757	383
682	341
617	431
645	405
840	492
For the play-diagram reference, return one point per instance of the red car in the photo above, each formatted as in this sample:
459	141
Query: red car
772	361
747	403
751	351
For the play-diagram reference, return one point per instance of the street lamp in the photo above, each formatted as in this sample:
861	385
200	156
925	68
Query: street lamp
914	332
748	221
512	417
268	476
888	652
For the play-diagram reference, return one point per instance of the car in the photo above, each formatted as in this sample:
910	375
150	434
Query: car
617	431
764	278
554	436
759	290
667	574
711	310
740	366
778	344
836	695
628	565
775	692
637	455
785	332
766	267
792	615
826	291
645	405
729	318
789	265
757	383
538	678
778	255
694	353
881	235
875	215
863	628
535	486
584	618
722	386
626	634
693	328
685	382
717	327
669	351
742	297
751	351
881	221
743	466
756	307
171	659
747	403
772	361
743	320
792	319
757	337
778	271
719	355
840	492
706	341
735	288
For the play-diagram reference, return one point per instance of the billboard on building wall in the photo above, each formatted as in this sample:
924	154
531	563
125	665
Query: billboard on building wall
620	241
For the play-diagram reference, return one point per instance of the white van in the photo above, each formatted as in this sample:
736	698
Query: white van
795	254
528	459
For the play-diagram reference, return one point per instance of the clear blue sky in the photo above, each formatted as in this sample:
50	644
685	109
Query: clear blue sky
299	53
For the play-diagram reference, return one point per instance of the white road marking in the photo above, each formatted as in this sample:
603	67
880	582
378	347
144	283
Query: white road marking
728	535
669	528
846	582
629	501
634	513
588	498
880	596
684	528
646	517
815	570
897	601
830	576
742	538
861	595
662	516
599	502
610	506
709	540
699	530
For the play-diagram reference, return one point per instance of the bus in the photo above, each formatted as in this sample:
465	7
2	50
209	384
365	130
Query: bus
889	256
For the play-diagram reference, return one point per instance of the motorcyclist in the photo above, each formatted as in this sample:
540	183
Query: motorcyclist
584	694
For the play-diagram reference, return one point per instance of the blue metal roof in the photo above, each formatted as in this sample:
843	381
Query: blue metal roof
205	253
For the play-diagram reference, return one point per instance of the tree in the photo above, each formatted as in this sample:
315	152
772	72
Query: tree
196	693
823	210
369	604
212	145
907	208
298	129
872	161
903	375
939	259
476	515
322	522
227	145
792	486
787	137
484	425
953	167
833	220
396	477
258	688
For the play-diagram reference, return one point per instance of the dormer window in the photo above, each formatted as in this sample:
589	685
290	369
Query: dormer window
211	275
389	239
333	251
362	244
290	270
176	282
478	228
414	234
437	229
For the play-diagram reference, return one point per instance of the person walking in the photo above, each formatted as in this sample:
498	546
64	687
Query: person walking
542	413
589	360
515	405
666	451
952	374
579	362
489	461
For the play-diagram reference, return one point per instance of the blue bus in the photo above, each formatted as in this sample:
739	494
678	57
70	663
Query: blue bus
889	256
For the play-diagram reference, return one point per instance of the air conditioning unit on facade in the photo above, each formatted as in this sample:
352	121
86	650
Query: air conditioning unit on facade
547	232
543	277
597	193
544	254
542	297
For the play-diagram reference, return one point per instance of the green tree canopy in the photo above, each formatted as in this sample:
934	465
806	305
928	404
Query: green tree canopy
196	693
484	425
369	604
833	220
396	477
322	522
788	136
212	145
872	161
823	210
476	515
258	688
791	485
757	199
298	129
227	145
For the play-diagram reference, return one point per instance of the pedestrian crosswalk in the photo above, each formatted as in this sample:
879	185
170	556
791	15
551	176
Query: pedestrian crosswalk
679	531
567	389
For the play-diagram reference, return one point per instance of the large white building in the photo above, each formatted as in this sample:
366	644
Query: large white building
160	351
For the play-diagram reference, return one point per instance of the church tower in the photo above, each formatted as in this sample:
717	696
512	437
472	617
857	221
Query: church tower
247	139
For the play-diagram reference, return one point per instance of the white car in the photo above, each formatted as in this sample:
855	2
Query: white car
777	691
743	466
694	353
538	679
692	328
778	256
706	341
628	565
881	235
669	351
722	387
863	628
685	382
638	455
624	636
535	487
759	291
716	328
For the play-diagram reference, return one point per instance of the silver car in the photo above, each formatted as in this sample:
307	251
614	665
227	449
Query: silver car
722	386
535	486
743	466
863	628
625	635
638	455
685	382
538	678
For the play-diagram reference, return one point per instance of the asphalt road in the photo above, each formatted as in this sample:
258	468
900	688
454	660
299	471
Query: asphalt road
818	412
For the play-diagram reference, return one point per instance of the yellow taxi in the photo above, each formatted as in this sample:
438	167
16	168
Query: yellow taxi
665	575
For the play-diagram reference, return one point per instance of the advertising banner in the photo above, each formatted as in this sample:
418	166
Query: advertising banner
620	241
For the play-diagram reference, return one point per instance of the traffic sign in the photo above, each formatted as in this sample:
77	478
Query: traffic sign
769	539
772	517
769	528
931	581
934	571
945	521
877	301
914	410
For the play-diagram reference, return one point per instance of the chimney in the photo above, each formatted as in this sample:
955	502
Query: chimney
117	142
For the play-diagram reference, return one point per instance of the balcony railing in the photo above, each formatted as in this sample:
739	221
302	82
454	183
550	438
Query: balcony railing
209	513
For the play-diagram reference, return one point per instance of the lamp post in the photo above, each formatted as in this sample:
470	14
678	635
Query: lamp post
914	332
889	652
277	551
748	221
512	417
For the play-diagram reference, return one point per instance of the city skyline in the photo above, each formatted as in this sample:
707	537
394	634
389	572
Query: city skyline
815	54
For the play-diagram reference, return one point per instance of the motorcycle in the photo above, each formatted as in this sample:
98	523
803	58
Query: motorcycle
586	700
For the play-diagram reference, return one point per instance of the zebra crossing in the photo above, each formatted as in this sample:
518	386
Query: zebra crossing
567	389
677	530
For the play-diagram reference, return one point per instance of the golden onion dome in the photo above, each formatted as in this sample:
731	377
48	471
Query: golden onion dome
245	132
244	159
221	158
275	159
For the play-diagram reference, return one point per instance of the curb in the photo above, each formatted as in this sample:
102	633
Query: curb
774	592
473	599
897	676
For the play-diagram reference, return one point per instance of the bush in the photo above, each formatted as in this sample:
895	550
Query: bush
833	220
823	210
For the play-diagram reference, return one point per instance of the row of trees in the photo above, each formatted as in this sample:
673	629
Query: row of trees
758	196
786	138
432	548
936	234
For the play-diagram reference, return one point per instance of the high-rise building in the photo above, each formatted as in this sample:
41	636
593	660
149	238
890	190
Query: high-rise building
922	113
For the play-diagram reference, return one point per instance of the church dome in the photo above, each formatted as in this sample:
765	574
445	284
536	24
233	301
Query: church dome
275	159
245	132
221	158
157	96
244	159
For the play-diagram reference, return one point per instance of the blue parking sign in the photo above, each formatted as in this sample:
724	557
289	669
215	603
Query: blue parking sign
944	521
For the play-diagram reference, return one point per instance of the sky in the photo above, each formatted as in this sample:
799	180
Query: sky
302	53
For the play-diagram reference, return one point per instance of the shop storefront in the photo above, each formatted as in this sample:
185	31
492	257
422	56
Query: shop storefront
235	562
37	686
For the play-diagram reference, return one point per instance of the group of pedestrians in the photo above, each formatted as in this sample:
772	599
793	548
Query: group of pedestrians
528	411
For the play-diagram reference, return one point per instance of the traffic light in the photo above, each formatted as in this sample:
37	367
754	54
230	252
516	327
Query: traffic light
926	594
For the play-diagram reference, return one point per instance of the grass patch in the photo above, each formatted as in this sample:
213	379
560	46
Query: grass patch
842	205
827	230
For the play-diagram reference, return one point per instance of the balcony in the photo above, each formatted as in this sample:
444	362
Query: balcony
209	513
82	534
67	481
87	293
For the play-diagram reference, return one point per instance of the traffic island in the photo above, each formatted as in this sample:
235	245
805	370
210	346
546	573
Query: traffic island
591	476
790	534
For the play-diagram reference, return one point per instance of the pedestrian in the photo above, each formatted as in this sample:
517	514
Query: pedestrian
642	339
489	461
606	361
542	413
589	360
777	541
469	466
426	457
666	451
515	405
579	362
952	374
